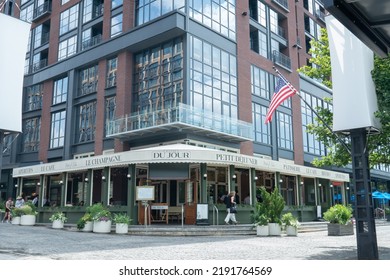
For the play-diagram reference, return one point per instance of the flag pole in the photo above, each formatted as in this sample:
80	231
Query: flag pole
311	108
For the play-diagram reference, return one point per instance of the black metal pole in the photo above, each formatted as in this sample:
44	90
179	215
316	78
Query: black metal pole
367	247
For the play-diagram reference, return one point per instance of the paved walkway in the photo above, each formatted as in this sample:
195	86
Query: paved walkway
44	243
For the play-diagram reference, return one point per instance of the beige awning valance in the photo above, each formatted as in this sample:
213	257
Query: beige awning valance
177	153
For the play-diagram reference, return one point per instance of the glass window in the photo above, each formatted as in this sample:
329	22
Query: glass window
31	134
260	82
110	109
151	9
60	90
285	135
116	25
89	80
112	66
213	77
262	132
63	2
116	3
310	143
86	122
274	21
158	77
77	189
262	14
34	96
67	48
69	19
218	16
57	134
26	13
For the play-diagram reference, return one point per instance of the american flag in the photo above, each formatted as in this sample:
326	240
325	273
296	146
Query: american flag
282	92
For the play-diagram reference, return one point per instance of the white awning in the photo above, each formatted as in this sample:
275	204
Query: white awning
177	153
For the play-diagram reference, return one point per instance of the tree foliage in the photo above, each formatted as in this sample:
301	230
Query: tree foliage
320	56
337	153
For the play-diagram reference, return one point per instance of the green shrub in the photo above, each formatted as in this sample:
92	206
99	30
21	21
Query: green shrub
339	214
122	218
288	219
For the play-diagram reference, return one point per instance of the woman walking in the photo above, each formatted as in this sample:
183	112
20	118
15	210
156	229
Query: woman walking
231	208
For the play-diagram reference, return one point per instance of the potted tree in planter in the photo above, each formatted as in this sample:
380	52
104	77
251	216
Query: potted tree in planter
122	221
101	218
339	218
28	217
260	219
274	202
290	224
58	219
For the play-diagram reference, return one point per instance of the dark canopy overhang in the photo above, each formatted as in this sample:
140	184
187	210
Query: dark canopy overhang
369	20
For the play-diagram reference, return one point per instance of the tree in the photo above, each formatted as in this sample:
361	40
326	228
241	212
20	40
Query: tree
337	153
320	53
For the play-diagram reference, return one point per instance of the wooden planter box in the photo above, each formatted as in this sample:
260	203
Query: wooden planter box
338	230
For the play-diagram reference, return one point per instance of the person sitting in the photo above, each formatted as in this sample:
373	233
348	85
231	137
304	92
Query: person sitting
19	202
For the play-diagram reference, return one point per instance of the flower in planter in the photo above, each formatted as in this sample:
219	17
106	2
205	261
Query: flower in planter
102	216
58	216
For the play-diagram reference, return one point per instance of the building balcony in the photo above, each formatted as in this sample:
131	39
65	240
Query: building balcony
36	66
42	11
91	42
282	3
281	60
182	118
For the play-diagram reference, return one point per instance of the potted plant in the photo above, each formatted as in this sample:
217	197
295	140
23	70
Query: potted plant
16	213
85	223
274	205
58	219
101	217
28	214
260	219
122	221
339	217
290	224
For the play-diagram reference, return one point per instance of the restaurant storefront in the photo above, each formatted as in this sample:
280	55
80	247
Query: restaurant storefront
181	177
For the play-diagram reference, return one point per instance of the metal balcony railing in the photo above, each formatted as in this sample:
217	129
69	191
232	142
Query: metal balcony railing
42	10
283	3
184	117
91	42
282	60
37	66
